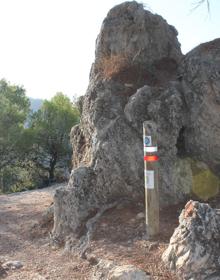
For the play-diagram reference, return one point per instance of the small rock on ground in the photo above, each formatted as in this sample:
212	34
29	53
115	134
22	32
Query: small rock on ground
140	216
108	270
12	265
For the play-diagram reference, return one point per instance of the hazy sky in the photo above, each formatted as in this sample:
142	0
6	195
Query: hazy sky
48	45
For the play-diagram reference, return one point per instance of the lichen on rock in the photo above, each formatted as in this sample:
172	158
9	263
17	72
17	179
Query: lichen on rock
205	183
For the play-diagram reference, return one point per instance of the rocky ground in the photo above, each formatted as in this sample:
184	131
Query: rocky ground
119	237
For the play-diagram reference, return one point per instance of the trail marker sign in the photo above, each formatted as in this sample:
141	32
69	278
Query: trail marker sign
151	159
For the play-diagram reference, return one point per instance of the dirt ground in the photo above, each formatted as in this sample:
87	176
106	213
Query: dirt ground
118	237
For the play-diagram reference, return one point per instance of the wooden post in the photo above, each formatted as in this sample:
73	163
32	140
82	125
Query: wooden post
151	178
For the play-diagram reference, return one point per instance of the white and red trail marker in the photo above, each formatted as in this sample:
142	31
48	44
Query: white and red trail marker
151	159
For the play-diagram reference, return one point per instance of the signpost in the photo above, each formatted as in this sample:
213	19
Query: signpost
151	178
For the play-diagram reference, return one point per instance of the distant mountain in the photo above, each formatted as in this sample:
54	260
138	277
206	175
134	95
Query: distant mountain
35	103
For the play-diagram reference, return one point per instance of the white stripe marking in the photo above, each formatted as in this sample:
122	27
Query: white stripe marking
151	149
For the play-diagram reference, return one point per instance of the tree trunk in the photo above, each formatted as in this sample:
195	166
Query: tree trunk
53	162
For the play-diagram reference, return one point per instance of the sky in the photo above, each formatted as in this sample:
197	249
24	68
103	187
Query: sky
48	46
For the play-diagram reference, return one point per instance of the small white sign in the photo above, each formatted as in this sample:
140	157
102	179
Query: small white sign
147	141
149	179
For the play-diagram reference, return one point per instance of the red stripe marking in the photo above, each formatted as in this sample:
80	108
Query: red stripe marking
151	158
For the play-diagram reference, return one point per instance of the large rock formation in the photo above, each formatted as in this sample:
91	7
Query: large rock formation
140	74
194	249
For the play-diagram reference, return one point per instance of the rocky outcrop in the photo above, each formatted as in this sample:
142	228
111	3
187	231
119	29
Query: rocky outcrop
140	74
194	248
108	157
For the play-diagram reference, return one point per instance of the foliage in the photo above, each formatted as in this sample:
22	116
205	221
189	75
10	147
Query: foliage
14	108
29	156
16	178
49	130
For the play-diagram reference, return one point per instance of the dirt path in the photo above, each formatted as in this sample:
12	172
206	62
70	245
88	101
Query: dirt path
119	237
18	213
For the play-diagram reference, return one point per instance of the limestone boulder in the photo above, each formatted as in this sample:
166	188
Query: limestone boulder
194	249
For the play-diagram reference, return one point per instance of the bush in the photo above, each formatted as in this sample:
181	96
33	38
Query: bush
15	179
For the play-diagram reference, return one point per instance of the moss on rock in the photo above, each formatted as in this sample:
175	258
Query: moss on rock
205	184
195	177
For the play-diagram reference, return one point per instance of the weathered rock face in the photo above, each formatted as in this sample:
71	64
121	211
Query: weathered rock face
194	249
167	110
200	72
135	78
135	46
